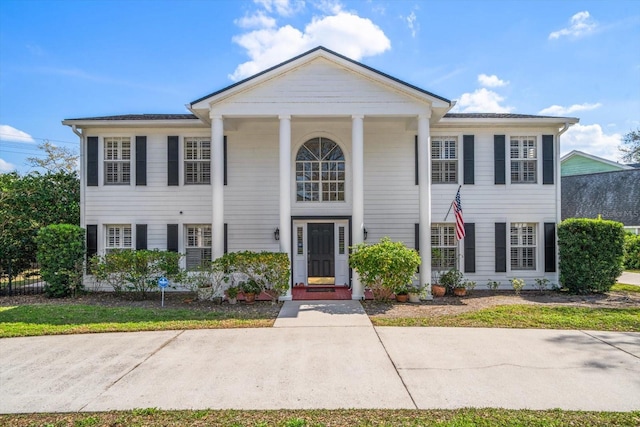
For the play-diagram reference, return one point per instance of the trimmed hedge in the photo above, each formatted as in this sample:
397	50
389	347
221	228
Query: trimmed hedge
632	251
60	254
591	252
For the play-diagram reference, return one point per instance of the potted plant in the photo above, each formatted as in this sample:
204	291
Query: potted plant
437	289
460	290
250	288
451	280
232	294
402	293
414	293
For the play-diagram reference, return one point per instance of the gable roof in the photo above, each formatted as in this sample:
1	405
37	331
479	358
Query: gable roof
578	153
310	53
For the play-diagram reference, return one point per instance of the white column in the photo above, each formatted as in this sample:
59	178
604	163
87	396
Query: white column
424	188
285	190
357	212
217	185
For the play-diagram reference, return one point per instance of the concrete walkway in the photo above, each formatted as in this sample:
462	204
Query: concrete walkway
322	354
629	278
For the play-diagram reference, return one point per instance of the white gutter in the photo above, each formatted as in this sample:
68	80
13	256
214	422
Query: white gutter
566	127
82	174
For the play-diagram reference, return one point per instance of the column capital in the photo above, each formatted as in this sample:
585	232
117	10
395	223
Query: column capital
357	116
284	116
425	115
213	115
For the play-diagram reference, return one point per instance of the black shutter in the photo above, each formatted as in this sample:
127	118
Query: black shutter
549	247
92	161
417	162
225	161
173	154
499	163
141	236
547	159
468	161
172	237
141	160
469	247
417	237
501	247
92	240
226	248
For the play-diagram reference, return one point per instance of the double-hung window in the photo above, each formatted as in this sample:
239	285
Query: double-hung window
444	159
117	160
198	245
523	246
444	248
524	159
118	237
197	160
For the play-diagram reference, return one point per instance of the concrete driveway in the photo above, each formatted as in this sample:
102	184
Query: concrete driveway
322	355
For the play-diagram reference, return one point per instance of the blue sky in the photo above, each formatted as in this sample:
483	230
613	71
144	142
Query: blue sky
72	58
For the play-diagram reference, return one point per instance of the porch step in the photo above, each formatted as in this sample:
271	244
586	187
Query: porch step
321	292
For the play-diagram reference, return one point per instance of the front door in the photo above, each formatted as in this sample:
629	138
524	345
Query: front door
321	253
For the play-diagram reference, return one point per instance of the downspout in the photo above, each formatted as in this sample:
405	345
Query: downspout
559	195
82	174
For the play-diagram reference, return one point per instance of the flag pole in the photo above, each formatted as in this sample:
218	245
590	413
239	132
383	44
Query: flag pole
451	205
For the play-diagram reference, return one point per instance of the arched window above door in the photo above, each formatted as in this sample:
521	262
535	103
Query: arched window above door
320	171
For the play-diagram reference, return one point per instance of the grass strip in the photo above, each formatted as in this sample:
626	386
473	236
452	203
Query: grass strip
335	418
622	287
35	320
529	316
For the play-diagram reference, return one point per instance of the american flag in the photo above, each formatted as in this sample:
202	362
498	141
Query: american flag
457	209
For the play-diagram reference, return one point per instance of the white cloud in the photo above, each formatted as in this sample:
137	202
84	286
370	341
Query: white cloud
344	32
257	20
491	81
558	110
581	24
281	7
332	7
9	133
6	166
481	101
592	140
412	23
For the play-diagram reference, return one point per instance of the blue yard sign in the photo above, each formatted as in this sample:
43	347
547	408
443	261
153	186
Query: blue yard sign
163	282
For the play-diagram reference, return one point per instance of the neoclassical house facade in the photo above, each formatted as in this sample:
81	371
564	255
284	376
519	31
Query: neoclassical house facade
320	153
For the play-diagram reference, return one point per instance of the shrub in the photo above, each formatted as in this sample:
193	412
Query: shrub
60	254
632	251
269	271
386	265
542	284
590	254
452	279
493	284
517	285
136	271
208	275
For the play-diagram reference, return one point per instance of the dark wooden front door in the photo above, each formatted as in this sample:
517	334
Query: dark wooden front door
321	254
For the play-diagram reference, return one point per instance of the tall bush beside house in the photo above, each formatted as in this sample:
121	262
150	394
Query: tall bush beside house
632	251
136	271
60	253
591	252
386	265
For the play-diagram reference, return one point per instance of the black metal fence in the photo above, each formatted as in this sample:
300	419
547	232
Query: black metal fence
27	282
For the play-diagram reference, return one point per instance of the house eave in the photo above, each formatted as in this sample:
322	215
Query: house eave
134	123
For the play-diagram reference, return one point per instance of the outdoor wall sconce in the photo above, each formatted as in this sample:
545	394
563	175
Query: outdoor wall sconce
276	234
365	234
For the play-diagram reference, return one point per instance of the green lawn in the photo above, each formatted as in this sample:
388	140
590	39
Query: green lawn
337	418
33	320
529	316
621	287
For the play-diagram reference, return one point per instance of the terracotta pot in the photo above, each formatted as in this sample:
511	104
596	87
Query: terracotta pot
438	290
249	298
459	292
402	298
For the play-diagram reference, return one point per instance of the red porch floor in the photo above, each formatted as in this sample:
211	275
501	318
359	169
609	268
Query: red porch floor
321	292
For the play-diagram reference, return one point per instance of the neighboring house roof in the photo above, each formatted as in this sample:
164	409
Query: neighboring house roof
581	163
142	117
614	195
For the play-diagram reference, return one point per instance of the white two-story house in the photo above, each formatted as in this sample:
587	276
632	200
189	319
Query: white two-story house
320	153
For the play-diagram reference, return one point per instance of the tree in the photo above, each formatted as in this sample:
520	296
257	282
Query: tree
630	147
56	159
60	254
28	203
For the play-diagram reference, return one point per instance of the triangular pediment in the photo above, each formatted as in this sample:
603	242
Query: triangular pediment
318	83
